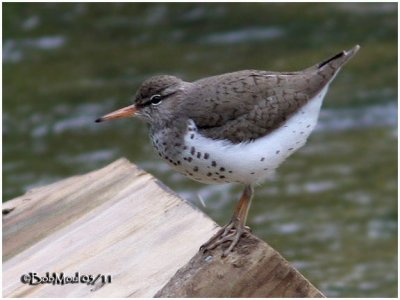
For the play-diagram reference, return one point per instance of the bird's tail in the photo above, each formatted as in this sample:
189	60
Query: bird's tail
337	61
329	67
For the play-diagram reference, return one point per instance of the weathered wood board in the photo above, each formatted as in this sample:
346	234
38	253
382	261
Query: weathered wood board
118	221
254	269
121	221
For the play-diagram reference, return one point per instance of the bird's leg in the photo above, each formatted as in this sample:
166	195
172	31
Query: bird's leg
236	227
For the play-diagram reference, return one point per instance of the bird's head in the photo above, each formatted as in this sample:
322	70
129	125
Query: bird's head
155	101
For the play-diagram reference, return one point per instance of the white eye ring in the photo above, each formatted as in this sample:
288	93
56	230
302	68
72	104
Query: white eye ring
155	99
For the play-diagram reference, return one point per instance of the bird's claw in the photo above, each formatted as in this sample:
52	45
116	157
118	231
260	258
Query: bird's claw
231	232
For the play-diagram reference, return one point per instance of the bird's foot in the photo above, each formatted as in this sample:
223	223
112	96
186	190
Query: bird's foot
229	233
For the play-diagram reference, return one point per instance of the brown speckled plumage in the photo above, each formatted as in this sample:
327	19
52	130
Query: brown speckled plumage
245	105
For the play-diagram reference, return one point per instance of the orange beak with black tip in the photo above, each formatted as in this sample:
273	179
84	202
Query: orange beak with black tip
125	112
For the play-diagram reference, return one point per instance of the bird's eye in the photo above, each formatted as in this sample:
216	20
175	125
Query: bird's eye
155	99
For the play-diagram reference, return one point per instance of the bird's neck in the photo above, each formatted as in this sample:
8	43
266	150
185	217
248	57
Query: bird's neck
174	126
168	140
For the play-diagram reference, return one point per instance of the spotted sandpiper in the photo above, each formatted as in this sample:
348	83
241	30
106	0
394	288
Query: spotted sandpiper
235	127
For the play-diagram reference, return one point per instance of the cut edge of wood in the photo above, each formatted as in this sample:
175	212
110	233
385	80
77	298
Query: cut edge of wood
253	269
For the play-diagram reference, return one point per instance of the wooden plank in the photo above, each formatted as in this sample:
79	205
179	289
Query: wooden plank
47	209
118	220
254	269
121	221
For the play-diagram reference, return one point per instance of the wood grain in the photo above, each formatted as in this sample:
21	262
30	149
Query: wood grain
121	221
118	220
254	269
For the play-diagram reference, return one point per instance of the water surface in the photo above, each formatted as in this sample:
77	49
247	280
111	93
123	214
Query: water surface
331	209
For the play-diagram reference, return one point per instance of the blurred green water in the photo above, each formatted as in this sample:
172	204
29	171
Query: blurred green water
332	208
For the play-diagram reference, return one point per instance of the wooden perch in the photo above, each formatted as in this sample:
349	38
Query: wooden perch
121	221
254	269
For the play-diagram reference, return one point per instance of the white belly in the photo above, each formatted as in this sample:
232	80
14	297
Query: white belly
220	161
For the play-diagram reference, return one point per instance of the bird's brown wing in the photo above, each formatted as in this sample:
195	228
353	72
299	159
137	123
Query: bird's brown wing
245	105
249	104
